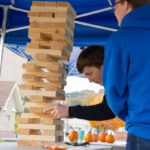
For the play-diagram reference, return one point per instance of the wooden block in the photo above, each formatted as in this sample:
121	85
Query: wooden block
63	36
31	66
33	45
67	5
56	54
55	78
48	25
31	13
38	126
38	138
50	20
37	105
37	84
37	115
53	88
50	30
23	131
52	66
53	53
69	25
47	14
48	9
34	98
51	94
28	87
41	14
48	121
43	3
48	58
63	4
36	110
60	45
54	75
48	86
53	133
28	132
49	37
44	58
60	138
60	97
40	36
38	45
38	3
51	4
53	42
23	120
31	78
58	17
38	99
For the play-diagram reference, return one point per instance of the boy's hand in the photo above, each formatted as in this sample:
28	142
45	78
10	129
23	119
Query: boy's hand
57	111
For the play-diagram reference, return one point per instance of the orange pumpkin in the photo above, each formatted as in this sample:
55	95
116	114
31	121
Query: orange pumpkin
102	136
110	138
94	137
88	137
73	135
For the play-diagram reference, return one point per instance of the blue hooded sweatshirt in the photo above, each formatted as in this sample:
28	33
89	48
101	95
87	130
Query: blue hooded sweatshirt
126	72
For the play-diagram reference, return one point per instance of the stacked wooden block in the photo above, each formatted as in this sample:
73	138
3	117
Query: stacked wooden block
51	33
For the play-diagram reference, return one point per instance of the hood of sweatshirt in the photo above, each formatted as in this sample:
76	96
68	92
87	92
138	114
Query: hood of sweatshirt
139	17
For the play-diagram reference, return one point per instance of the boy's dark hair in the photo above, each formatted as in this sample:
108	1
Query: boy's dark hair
90	56
138	3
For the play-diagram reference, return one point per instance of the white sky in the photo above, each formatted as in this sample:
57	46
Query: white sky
78	84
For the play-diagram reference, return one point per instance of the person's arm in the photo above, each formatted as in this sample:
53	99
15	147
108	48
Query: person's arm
97	112
57	111
115	77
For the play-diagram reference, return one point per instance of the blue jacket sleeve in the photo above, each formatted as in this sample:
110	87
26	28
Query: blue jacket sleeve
115	71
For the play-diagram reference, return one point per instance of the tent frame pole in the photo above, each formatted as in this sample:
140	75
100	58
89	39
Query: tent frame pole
94	12
3	32
95	26
16	29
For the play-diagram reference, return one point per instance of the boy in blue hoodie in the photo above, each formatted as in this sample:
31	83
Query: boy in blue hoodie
126	71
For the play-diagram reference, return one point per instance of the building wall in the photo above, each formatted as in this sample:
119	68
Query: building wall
7	117
7	134
7	120
12	66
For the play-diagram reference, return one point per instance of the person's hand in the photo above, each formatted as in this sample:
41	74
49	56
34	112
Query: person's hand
57	111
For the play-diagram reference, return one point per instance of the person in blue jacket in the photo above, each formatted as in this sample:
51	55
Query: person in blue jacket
126	71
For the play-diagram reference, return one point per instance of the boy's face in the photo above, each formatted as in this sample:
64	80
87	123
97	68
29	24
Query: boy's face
94	74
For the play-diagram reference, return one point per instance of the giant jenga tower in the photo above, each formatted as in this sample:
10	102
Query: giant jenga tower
51	33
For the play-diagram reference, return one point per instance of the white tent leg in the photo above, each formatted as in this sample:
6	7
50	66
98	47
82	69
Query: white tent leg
5	10
1	50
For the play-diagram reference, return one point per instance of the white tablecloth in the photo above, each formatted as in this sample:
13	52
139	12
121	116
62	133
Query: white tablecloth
115	144
14	146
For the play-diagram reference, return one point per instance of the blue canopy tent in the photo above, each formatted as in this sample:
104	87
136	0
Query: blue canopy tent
94	23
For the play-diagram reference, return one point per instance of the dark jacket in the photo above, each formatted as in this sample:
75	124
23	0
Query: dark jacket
97	112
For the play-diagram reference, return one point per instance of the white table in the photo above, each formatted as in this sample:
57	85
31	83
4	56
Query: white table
14	146
117	145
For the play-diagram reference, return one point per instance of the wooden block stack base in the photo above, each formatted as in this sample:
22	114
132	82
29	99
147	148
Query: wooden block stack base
36	131
51	33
